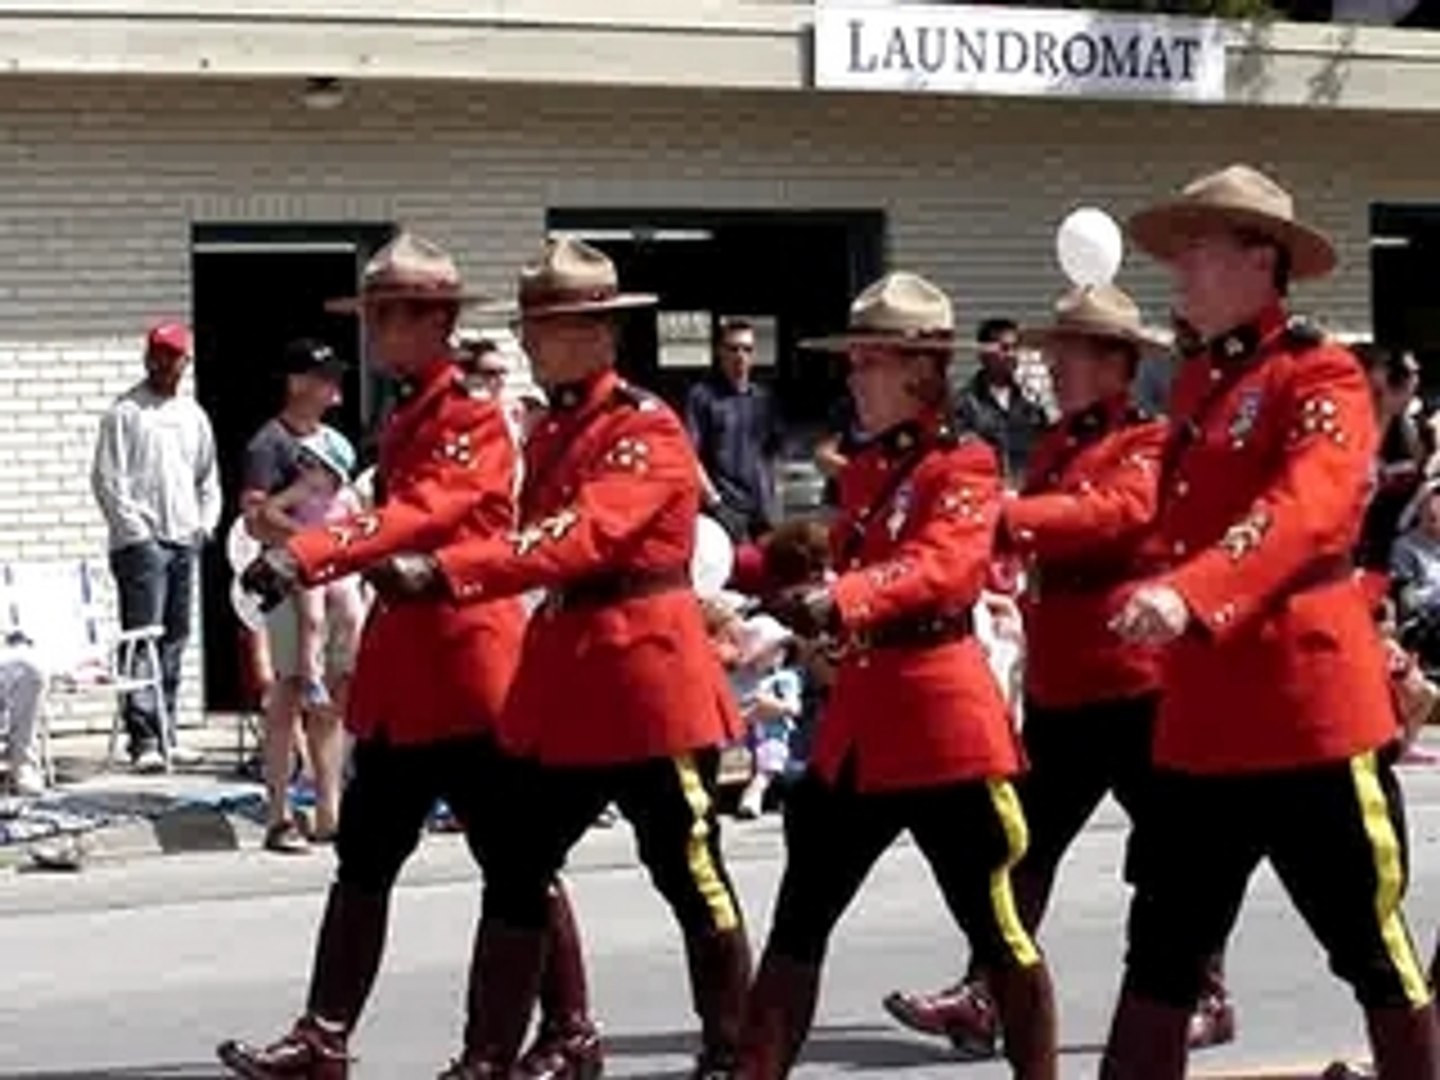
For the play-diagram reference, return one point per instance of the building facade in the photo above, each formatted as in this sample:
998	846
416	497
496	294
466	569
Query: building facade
168	164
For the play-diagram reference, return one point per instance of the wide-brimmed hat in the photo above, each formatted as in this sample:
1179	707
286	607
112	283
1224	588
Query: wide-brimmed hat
901	310
1239	197
408	268
332	450
1097	311
572	278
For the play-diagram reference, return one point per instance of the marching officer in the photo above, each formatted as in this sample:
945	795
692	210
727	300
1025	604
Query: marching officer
915	734
1080	524
430	678
619	697
1275	734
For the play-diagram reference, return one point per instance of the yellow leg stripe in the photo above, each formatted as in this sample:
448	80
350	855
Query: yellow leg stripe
1390	877
1002	897
697	849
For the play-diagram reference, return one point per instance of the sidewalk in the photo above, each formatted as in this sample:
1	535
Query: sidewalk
109	814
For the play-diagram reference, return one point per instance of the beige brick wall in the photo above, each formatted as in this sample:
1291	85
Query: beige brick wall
101	181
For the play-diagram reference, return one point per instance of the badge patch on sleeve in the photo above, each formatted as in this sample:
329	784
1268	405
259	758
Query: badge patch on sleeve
546	530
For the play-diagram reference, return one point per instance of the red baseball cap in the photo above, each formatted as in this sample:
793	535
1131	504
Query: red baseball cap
171	336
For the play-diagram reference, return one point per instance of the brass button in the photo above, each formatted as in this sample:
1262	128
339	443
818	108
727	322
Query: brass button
1178	547
1182	488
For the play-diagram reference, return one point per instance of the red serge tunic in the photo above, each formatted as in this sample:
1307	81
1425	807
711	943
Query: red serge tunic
432	669
914	541
609	504
1080	523
1264	489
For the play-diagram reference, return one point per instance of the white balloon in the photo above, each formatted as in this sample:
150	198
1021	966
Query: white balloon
1090	246
241	549
247	607
714	557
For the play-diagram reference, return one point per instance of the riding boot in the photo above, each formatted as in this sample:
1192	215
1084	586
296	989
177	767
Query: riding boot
567	1045
1405	1043
504	983
719	964
964	1013
778	1014
1025	1002
1147	1041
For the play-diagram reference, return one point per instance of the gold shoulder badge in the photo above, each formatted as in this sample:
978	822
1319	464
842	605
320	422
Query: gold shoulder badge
360	527
1246	534
628	455
457	448
546	530
1319	415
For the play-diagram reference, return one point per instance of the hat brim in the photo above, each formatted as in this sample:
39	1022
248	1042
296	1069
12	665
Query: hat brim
618	302
841	343
1162	231
354	305
1146	341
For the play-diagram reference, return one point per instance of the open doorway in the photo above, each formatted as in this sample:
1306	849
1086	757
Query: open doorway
1404	263
256	288
793	272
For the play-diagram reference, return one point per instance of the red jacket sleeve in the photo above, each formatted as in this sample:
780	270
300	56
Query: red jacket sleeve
942	564
463	476
644	466
1113	506
1311	510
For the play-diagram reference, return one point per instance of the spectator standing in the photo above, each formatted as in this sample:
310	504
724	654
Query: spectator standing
995	406
736	433
157	484
22	695
1401	461
273	466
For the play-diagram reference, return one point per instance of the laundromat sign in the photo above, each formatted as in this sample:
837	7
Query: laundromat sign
964	49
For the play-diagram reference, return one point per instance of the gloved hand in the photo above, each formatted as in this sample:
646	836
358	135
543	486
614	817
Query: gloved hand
407	576
272	577
808	610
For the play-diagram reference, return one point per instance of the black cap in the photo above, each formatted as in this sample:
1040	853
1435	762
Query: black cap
306	356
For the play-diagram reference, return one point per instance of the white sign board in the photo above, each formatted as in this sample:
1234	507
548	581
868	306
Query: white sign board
964	49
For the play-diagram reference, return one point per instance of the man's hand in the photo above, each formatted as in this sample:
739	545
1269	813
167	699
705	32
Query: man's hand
272	577
1154	615
809	611
406	576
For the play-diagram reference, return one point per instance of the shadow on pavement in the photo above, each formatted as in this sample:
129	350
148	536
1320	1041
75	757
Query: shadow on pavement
851	1047
130	1072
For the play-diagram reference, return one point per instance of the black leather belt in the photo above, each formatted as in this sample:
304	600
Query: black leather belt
604	590
918	632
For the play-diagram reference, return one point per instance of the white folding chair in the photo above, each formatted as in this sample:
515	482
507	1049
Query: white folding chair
56	605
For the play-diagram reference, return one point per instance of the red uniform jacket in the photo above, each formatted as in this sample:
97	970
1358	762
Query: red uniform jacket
1262	495
1080	522
432	669
914	716
611	492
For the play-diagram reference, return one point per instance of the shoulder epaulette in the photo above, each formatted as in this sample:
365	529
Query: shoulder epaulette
1304	334
629	396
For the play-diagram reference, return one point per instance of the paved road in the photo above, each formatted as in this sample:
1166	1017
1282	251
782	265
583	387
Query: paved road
135	970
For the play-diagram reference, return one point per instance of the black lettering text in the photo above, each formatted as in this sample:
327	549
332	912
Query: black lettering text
1118	63
897	52
932	59
1045	43
1080	55
970	51
1186	48
1014	52
1157	66
857	34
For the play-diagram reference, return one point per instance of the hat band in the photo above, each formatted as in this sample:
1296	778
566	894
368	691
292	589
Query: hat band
561	297
928	337
437	291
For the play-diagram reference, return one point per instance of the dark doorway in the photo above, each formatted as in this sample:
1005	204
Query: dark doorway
796	270
256	288
1404	262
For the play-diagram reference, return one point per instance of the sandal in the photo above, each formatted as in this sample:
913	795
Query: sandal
285	838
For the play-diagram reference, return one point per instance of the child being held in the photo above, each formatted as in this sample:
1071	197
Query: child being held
322	493
770	696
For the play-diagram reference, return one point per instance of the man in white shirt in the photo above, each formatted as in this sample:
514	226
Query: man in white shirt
156	481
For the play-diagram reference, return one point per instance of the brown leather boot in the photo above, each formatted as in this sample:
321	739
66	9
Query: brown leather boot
312	1050
567	1045
964	1013
719	965
1405	1043
1213	1021
504	983
1025	1002
1147	1041
778	1015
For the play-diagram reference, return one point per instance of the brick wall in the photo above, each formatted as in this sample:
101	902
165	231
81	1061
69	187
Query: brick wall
102	180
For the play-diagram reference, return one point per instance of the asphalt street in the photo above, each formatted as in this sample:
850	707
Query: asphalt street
135	970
